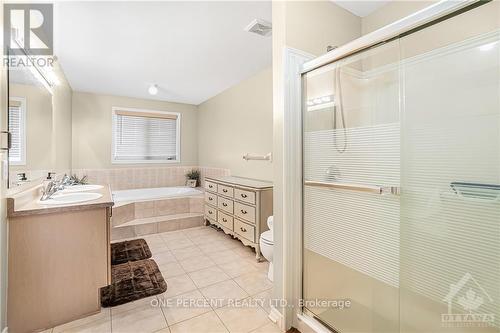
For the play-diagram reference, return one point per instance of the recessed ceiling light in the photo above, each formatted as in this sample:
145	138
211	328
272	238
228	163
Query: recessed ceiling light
153	89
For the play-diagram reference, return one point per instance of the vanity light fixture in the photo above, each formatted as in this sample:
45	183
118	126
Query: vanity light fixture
153	89
319	103
35	70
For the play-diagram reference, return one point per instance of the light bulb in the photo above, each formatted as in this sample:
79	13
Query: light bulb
153	89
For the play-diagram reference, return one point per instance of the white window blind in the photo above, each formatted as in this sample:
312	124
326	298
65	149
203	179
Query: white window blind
143	136
17	125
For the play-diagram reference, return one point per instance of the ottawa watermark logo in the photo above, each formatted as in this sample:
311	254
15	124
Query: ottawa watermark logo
468	295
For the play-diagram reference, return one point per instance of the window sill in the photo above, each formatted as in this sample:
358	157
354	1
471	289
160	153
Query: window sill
17	163
145	162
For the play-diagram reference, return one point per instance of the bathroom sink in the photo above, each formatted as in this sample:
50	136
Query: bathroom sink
81	188
70	198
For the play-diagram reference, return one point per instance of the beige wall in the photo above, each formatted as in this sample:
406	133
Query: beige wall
91	131
311	26
38	126
235	122
391	12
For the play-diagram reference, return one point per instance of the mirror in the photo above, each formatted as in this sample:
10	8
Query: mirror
30	125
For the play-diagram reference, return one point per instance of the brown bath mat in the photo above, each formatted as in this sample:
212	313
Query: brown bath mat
132	281
131	250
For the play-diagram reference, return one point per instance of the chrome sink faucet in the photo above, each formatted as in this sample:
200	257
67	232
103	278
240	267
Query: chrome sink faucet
65	181
53	186
49	190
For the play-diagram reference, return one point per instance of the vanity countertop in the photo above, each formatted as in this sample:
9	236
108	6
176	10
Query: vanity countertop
248	182
27	203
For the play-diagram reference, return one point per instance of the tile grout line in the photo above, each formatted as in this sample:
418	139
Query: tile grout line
249	295
197	288
187	274
213	309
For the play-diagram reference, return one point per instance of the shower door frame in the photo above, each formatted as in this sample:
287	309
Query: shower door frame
294	99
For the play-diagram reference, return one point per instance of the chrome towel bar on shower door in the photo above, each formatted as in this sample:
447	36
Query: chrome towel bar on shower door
395	190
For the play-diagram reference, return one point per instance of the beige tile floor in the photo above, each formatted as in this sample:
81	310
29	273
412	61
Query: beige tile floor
214	285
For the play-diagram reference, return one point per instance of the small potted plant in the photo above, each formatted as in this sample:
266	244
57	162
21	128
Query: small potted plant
193	178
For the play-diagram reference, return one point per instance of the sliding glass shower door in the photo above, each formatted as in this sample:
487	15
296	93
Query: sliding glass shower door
351	163
401	226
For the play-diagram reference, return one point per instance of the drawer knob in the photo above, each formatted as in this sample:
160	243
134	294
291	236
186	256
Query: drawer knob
224	204
224	190
210	186
224	219
210	198
210	212
243	229
243	195
243	211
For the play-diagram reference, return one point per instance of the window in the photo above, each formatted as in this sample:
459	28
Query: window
17	128
145	136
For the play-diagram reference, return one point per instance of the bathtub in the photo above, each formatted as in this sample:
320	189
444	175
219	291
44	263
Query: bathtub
144	194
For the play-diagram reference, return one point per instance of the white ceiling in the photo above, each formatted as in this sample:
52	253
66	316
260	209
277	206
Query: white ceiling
361	8
191	50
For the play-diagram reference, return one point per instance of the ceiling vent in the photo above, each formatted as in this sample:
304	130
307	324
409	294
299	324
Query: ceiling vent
260	27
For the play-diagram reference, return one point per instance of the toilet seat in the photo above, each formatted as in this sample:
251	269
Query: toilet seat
266	242
267	237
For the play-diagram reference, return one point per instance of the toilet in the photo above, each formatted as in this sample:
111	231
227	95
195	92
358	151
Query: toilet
266	246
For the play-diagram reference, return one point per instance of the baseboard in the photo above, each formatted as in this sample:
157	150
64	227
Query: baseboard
277	317
308	324
5	330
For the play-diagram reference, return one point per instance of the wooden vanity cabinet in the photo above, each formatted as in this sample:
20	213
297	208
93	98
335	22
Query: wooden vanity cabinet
59	258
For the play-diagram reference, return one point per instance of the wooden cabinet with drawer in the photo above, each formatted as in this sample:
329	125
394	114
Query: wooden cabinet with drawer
225	190
225	204
210	213
240	207
209	186
245	230
244	196
211	198
225	220
244	212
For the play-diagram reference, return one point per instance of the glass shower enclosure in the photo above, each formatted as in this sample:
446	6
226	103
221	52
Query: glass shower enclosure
401	174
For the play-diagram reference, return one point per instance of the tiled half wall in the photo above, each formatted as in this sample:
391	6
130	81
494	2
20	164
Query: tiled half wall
131	178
